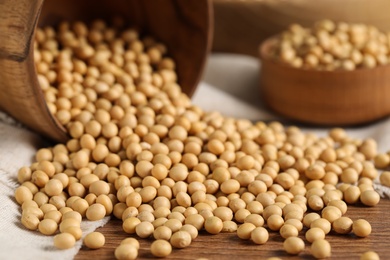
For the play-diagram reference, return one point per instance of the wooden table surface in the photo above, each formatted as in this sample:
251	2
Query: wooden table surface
229	246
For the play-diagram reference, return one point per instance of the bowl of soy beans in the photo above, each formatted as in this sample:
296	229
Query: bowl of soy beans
334	73
141	22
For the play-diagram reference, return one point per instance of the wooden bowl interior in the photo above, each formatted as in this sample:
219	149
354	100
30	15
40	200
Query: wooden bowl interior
324	97
183	25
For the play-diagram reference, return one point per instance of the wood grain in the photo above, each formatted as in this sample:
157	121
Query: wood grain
229	246
20	95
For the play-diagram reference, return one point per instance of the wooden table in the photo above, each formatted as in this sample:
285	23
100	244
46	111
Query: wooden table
229	246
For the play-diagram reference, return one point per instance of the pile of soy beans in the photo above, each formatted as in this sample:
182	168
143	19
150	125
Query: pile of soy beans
139	150
328	45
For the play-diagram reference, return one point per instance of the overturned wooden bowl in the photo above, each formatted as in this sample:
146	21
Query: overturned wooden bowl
185	26
328	98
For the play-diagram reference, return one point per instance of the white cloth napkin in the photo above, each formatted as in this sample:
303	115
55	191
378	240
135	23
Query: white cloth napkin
229	85
17	149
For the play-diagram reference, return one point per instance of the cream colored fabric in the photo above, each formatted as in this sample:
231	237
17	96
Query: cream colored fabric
229	85
17	149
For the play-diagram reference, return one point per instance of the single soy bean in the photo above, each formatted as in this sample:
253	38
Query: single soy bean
161	248
94	240
64	241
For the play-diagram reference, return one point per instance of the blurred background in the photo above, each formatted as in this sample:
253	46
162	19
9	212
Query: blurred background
249	22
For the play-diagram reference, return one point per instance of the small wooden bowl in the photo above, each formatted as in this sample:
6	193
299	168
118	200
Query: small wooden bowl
328	98
185	26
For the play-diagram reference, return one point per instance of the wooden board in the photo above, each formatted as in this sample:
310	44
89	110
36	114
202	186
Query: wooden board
229	246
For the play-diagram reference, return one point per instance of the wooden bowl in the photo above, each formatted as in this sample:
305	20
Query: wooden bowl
183	25
324	97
